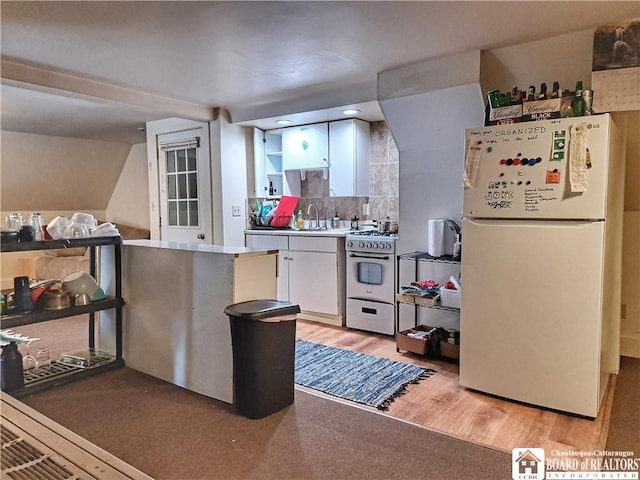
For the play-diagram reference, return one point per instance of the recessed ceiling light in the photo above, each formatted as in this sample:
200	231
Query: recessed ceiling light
283	122
350	111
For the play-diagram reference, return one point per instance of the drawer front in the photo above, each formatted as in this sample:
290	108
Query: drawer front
313	244
371	316
271	242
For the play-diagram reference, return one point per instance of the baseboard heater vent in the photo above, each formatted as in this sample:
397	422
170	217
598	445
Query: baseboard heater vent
33	446
21	460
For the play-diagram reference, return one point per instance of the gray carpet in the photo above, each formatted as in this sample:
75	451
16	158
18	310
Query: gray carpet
171	433
624	429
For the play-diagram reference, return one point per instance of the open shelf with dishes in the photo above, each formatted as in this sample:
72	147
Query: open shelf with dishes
60	372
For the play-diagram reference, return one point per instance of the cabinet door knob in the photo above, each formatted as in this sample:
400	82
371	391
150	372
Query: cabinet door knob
201	236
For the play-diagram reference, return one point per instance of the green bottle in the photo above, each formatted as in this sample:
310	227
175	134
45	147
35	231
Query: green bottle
578	102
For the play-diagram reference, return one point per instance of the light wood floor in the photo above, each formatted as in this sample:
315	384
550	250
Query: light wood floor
439	403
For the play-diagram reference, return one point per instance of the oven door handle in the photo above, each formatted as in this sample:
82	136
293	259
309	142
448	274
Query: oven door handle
353	255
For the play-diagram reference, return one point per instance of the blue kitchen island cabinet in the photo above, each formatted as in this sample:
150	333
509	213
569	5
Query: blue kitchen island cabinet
174	321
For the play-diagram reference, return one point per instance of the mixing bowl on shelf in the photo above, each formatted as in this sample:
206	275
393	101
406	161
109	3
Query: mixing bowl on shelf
78	283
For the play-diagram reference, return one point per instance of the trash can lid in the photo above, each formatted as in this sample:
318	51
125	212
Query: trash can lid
260	309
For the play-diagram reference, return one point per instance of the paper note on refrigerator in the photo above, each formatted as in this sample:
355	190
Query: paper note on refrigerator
578	158
472	161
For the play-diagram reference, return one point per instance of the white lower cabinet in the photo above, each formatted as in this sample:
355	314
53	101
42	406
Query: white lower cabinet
311	272
313	282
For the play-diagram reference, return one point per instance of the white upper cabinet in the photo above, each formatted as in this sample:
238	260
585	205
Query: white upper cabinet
267	152
349	157
340	148
305	147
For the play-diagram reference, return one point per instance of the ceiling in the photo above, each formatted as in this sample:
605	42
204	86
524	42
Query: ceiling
100	70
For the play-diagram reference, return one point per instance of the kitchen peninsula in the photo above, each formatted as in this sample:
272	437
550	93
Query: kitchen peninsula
174	326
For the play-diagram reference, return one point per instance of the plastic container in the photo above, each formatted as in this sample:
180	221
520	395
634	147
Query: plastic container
263	336
57	227
22	300
450	298
11	371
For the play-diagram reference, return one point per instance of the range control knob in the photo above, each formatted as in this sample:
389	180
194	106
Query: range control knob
361	244
349	244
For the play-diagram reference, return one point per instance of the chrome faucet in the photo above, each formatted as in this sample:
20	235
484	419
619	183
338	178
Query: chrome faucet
317	215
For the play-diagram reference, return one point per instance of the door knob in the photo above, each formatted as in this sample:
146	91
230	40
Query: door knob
201	236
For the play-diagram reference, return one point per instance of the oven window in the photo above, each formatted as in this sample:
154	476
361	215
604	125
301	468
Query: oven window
370	273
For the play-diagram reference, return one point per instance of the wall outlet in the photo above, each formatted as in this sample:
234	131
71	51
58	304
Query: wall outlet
235	210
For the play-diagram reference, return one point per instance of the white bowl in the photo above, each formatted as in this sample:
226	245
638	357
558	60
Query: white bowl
78	283
77	230
85	218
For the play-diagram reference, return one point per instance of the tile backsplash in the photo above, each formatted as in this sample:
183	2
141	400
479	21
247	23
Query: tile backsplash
383	173
383	184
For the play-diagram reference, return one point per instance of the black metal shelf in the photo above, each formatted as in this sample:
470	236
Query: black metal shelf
425	257
62	243
61	373
407	300
12	320
418	301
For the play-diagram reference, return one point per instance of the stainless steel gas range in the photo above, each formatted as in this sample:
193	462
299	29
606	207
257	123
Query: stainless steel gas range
371	281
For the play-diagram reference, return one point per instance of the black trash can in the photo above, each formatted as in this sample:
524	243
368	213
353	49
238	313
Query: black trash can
263	336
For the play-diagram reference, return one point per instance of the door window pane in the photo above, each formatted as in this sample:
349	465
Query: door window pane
182	186
171	187
182	162
171	162
193	185
172	208
183	205
193	213
183	219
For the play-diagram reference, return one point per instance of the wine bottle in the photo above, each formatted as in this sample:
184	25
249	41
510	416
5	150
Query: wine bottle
578	102
531	93
543	92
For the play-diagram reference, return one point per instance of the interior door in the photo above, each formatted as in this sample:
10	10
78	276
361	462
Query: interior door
185	186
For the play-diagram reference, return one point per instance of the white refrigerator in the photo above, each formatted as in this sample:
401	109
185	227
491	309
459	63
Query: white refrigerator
541	261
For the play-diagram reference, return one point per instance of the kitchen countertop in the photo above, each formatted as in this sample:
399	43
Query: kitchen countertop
337	232
198	247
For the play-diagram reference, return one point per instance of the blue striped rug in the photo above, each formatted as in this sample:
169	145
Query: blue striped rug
354	376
